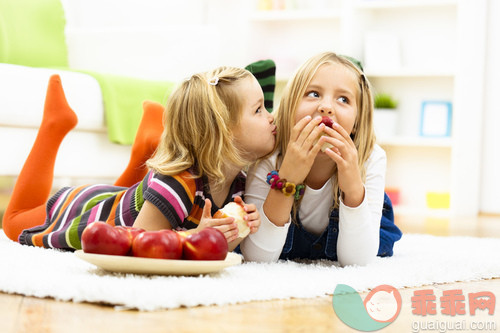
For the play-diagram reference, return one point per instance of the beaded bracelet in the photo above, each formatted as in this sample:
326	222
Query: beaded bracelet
282	185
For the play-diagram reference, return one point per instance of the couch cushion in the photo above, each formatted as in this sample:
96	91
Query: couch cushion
82	154
24	90
32	33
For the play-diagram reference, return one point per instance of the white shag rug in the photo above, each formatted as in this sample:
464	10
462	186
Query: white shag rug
418	260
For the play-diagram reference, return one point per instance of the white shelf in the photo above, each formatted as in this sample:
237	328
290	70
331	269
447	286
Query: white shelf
424	212
435	61
409	72
388	4
294	15
408	141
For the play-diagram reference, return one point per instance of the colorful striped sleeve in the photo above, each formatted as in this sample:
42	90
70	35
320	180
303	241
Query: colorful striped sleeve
172	195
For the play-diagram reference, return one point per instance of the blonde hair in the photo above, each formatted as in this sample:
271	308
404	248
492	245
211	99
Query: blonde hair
363	134
199	117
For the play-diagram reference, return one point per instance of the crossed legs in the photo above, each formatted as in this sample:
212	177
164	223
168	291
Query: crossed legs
27	206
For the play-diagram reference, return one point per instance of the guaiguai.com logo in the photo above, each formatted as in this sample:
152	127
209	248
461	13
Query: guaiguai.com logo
379	309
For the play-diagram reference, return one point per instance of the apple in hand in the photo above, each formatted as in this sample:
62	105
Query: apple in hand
102	238
207	244
236	211
161	244
328	123
131	233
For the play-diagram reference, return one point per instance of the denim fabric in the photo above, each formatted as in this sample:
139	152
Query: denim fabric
301	244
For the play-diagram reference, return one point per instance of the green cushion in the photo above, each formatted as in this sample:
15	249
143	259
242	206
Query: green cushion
32	33
123	98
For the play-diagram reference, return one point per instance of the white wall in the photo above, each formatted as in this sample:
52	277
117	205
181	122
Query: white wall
150	39
156	39
490	180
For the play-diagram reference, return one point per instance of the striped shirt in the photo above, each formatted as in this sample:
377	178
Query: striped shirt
180	198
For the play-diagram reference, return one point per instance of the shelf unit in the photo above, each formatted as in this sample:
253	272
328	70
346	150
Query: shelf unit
413	141
410	73
439	49
388	4
293	15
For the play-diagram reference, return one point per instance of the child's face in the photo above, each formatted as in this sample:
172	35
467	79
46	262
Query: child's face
255	134
332	92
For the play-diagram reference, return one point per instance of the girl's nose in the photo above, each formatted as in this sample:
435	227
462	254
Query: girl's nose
326	109
270	117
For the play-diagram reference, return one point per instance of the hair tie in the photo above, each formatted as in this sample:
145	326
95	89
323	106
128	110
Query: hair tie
213	81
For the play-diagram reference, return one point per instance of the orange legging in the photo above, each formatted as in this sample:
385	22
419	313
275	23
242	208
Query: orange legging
145	142
26	208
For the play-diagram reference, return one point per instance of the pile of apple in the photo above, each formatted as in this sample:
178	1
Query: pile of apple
102	238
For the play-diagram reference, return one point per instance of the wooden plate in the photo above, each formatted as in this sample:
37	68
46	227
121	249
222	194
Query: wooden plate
136	265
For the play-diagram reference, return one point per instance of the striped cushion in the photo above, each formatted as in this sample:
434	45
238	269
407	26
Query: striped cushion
265	72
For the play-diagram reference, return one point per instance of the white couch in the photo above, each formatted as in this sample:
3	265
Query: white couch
85	154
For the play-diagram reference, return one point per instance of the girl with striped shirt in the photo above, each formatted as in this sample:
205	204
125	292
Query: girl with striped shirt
215	124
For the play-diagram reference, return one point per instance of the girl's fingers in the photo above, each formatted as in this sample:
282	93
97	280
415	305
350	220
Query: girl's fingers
334	155
314	135
311	132
340	148
299	126
207	209
302	130
341	131
238	199
221	222
230	233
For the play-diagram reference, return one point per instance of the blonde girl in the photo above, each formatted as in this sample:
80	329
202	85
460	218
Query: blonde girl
215	124
321	193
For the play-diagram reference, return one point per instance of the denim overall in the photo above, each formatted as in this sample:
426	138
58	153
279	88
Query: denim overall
302	244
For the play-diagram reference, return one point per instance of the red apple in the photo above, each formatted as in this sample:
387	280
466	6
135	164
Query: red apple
161	244
102	238
131	233
207	244
183	235
236	210
327	121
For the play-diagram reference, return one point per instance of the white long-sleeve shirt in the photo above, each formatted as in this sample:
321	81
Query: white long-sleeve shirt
358	238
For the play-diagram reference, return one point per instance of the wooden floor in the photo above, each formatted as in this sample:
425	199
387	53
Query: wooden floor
28	314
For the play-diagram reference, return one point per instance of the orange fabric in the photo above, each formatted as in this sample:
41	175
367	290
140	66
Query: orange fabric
146	140
112	215
26	208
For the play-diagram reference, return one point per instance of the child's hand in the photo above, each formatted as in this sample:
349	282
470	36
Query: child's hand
253	217
345	155
302	149
225	225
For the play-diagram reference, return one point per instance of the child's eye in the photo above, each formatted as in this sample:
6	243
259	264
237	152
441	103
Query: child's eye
258	110
343	99
313	94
